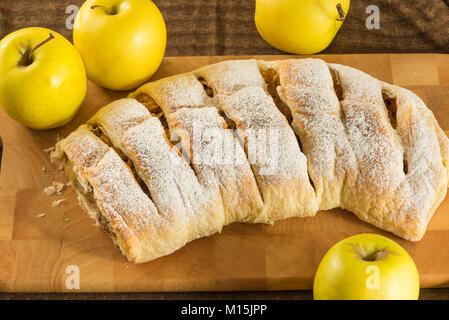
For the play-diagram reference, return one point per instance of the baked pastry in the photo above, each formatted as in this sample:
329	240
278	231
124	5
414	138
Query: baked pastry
256	141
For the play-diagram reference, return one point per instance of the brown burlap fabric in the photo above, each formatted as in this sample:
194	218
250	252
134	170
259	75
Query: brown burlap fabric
226	27
425	294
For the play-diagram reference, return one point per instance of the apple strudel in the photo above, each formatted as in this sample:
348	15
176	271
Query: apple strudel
256	141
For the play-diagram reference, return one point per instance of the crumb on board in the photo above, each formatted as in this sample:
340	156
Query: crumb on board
43	168
66	219
57	203
55	188
41	215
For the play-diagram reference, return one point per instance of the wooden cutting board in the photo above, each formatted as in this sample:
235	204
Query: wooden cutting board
40	254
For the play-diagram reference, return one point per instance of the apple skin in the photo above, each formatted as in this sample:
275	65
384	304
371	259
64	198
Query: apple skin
48	92
300	27
122	50
343	274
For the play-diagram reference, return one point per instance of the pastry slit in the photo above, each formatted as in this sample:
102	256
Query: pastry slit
308	165
154	108
231	123
337	85
272	81
204	83
100	132
391	107
338	90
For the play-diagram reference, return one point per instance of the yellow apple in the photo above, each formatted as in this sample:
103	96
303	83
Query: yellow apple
301	27
366	267
122	42
42	78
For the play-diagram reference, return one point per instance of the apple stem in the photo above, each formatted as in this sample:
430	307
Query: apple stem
30	55
341	12
110	12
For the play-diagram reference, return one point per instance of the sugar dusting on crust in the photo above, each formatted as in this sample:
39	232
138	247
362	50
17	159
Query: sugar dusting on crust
307	88
378	153
134	222
117	192
423	149
311	73
121	115
82	148
217	157
270	144
230	76
219	160
372	137
357	85
376	145
396	171
172	93
172	183
266	129
406	163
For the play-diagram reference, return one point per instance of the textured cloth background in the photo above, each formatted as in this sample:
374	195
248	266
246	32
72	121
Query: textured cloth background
425	294
226	27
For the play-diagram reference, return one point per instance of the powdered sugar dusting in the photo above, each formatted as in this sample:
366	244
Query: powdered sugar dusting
116	191
357	85
219	159
307	88
272	150
404	165
82	147
121	115
173	186
230	76
181	91
311	73
253	110
378	154
172	183
426	174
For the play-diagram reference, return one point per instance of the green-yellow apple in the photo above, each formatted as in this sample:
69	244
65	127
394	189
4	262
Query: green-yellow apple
366	267
42	78
301	27
122	42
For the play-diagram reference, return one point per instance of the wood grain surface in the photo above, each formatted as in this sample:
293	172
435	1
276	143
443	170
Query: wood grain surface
36	252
